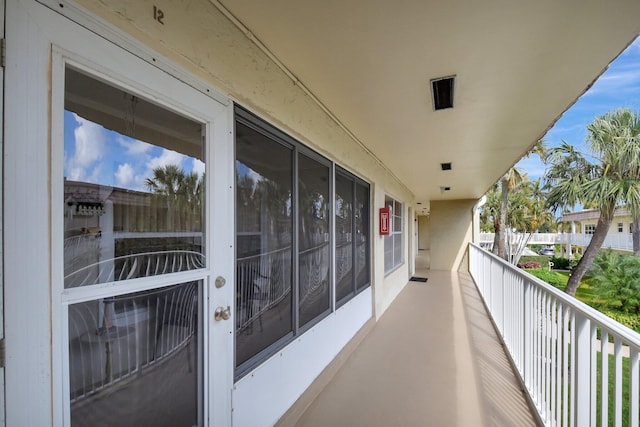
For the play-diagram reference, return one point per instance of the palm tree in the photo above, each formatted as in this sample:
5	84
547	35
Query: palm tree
526	212
509	182
490	211
611	180
539	215
181	195
636	235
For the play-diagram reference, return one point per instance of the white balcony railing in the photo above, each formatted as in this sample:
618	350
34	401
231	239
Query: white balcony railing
536	238
555	342
619	241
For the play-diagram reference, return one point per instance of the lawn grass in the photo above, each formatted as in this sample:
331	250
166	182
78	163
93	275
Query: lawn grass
611	390
585	292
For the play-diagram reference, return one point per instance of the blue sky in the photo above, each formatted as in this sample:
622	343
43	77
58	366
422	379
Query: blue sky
101	156
618	87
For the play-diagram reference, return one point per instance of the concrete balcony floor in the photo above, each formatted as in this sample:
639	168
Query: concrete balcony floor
433	359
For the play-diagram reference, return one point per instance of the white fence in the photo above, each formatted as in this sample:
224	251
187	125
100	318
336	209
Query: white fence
619	241
555	342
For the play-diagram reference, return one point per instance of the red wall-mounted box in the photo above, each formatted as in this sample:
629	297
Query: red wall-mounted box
385	221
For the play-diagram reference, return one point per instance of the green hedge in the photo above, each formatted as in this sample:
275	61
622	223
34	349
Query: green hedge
627	319
551	277
561	263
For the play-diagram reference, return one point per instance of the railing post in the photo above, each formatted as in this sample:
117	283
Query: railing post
582	373
526	333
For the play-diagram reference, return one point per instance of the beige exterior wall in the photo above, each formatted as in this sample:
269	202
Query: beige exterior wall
451	231
424	235
386	288
613	229
199	38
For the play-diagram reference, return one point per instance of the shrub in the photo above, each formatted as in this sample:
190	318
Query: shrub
629	320
561	263
529	264
551	277
616	280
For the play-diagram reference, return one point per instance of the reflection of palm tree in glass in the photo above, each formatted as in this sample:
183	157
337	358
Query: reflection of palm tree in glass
263	207
314	252
181	194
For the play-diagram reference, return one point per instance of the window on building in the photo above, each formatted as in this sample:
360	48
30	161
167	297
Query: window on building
285	194
313	238
125	221
630	228
393	241
264	236
620	227
352	235
589	228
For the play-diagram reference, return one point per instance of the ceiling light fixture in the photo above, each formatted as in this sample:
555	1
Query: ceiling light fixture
442	92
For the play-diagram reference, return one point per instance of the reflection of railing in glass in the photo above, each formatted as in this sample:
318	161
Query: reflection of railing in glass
262	282
361	261
314	272
80	248
344	261
134	266
114	338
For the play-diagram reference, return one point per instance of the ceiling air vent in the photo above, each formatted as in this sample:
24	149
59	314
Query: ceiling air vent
442	92
445	166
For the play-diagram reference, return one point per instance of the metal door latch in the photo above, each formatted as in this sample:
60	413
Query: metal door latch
222	313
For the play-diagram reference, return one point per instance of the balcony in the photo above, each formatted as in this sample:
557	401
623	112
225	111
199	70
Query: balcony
435	358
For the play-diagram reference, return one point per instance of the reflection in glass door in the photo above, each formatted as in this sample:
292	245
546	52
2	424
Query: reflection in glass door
134	181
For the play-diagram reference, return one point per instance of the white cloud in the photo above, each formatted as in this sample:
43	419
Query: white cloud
617	80
125	175
89	147
133	146
255	176
198	167
167	157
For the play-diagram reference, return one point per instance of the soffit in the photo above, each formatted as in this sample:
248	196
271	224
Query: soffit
519	65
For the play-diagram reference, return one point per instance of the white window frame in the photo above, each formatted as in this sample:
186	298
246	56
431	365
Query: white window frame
620	227
397	213
589	229
276	135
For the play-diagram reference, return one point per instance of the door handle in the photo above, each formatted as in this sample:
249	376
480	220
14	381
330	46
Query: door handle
222	313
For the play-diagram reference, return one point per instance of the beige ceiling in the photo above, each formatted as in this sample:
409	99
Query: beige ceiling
519	65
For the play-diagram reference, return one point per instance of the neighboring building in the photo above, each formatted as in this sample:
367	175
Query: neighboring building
583	225
220	301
